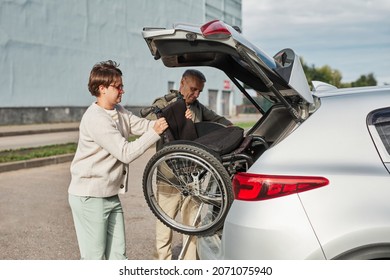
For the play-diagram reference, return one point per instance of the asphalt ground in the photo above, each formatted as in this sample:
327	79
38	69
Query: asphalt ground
36	221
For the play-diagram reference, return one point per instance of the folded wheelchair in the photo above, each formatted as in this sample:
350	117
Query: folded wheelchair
194	166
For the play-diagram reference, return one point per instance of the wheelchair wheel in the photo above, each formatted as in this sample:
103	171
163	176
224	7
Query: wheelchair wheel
187	189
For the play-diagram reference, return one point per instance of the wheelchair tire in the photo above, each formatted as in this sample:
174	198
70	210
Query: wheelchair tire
187	179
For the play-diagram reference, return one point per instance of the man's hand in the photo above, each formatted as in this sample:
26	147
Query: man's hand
188	114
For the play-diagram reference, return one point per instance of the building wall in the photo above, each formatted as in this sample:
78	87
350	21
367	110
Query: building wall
227	10
48	47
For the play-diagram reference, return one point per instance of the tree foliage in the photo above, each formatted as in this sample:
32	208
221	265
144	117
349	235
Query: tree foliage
334	77
365	80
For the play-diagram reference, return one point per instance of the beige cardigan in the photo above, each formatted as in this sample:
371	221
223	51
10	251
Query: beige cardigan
100	167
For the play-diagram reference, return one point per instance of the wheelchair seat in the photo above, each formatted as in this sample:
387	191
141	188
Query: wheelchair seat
227	143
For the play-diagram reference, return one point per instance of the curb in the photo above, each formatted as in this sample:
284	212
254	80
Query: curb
36	131
11	166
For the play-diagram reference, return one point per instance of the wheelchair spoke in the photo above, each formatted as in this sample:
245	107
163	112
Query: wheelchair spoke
187	189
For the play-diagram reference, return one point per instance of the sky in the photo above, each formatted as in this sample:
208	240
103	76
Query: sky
352	36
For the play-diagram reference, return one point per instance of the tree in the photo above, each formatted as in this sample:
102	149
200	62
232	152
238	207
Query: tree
332	76
365	80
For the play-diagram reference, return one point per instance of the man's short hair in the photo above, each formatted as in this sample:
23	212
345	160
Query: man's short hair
194	73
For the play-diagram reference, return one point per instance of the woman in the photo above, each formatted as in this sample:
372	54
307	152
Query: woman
100	168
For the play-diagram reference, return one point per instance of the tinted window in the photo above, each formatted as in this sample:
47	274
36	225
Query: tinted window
381	120
247	106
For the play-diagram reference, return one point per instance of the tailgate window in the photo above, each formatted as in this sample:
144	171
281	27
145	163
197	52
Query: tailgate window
379	125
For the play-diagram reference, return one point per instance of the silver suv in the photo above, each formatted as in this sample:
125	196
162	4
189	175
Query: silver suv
319	187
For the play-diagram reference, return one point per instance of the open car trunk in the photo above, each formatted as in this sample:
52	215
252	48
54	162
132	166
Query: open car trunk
279	78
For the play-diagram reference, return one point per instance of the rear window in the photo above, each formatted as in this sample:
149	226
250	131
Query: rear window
248	107
380	119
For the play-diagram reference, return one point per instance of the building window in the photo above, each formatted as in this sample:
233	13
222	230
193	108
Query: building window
225	103
228	11
213	96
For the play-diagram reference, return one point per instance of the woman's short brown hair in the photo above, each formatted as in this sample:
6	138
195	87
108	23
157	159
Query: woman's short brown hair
103	73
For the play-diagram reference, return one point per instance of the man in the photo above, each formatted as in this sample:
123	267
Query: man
191	85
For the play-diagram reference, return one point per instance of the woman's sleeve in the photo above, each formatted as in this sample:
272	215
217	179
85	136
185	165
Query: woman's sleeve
138	125
105	134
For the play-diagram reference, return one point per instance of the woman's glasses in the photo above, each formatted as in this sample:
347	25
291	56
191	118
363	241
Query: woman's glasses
119	88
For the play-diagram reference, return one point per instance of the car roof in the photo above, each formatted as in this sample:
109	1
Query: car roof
332	92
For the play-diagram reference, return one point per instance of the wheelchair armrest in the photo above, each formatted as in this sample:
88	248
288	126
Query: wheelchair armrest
235	157
259	140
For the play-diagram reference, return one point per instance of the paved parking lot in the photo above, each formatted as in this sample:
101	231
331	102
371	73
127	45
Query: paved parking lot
36	222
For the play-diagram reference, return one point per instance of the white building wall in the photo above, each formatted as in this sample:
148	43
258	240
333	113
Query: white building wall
48	47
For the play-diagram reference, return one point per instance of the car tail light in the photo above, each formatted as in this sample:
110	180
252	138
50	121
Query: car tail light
254	187
215	29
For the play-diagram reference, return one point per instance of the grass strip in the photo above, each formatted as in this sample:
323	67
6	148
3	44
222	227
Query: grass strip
61	149
245	125
40	152
37	152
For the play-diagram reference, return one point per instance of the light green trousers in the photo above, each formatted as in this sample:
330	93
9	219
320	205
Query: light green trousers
100	227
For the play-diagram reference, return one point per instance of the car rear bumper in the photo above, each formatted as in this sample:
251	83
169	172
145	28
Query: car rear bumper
262	230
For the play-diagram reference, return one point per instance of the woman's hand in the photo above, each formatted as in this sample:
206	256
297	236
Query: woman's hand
160	125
